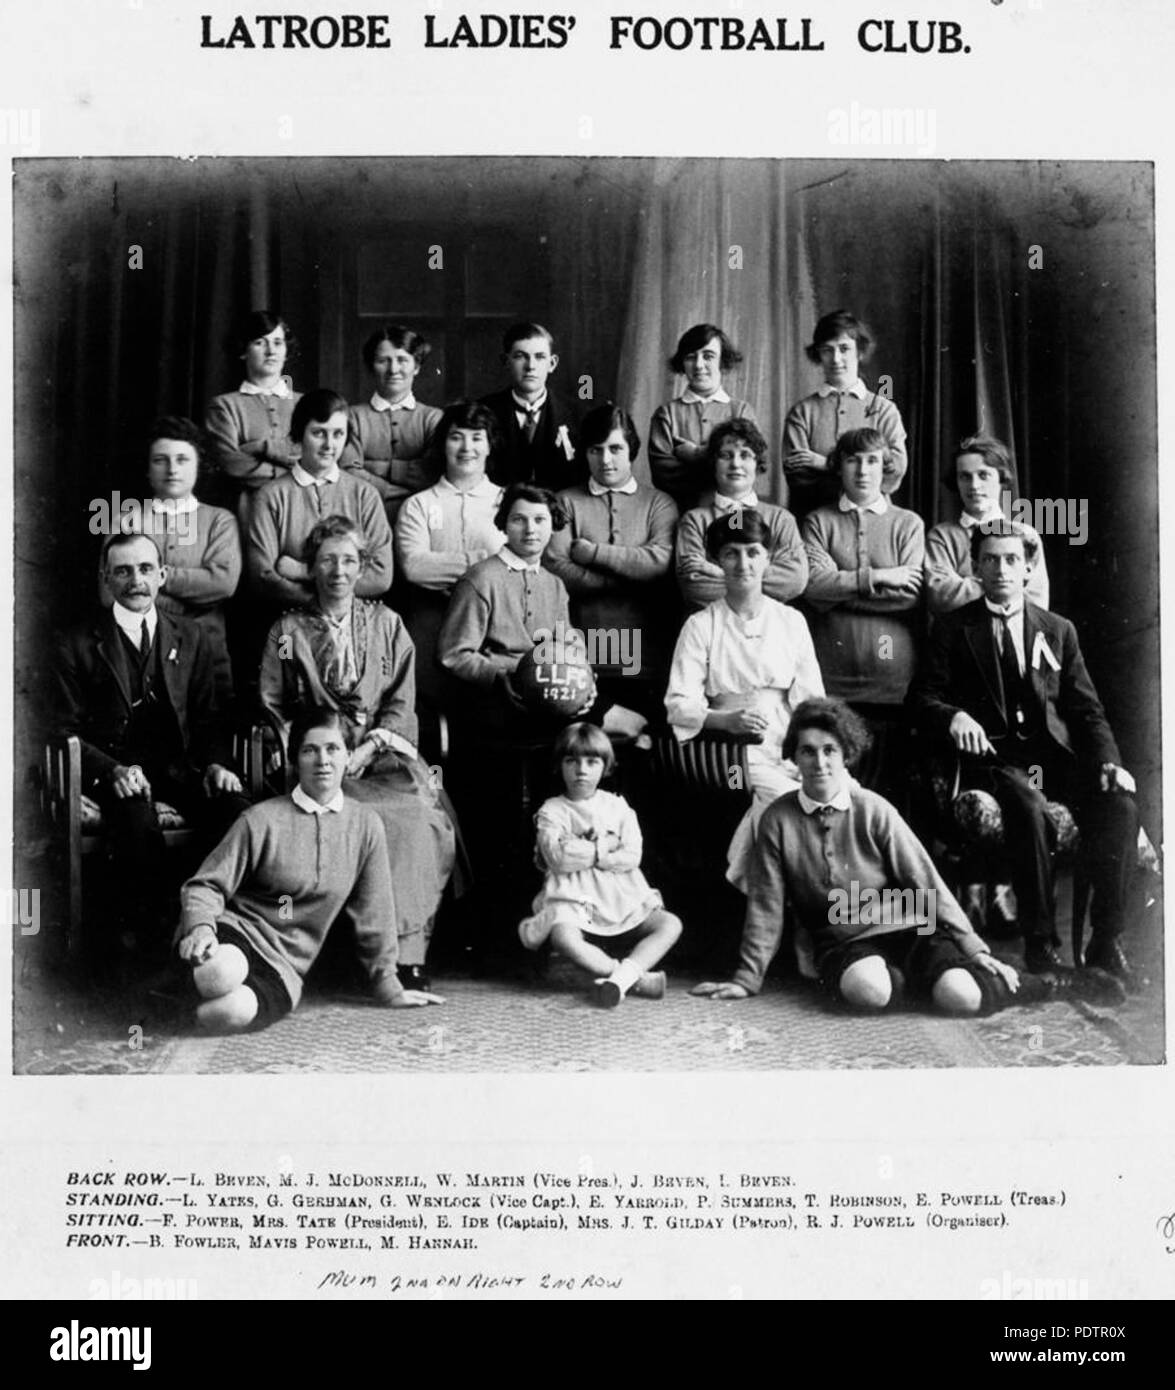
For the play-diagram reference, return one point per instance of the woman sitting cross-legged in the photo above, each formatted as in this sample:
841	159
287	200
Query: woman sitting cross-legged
258	910
840	861
355	656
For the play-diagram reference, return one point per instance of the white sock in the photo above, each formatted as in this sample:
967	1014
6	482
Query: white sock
625	975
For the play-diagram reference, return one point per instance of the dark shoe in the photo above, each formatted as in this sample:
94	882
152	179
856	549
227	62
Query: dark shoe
413	977
1036	989
1109	956
607	994
1091	986
1041	957
1097	986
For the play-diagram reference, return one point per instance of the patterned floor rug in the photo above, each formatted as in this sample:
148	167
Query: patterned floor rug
520	1025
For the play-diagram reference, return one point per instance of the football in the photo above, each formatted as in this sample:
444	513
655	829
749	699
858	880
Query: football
555	690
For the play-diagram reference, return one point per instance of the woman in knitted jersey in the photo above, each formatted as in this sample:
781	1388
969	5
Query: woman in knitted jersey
257	911
838	860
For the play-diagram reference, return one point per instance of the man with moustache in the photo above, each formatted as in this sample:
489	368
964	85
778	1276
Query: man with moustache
137	688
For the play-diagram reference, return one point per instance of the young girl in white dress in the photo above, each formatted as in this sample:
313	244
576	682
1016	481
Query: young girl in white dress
596	907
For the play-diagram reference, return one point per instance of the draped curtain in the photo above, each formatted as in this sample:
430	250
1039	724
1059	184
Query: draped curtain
719	243
1057	361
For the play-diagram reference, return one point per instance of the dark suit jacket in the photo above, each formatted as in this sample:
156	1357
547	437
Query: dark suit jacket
959	672
541	460
93	699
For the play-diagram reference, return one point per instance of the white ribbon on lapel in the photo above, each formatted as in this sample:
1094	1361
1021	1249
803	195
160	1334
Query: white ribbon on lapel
1040	648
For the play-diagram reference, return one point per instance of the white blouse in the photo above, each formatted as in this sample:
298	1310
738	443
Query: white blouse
723	661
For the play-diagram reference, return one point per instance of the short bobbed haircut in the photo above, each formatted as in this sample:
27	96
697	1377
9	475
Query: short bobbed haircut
317	405
519	332
831	326
465	415
746	432
400	337
598	424
580	739
311	717
1001	526
864	441
530	492
994	454
833	717
743	526
259	323
697	337
328	529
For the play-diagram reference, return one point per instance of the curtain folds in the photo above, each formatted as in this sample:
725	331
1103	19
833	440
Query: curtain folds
714	246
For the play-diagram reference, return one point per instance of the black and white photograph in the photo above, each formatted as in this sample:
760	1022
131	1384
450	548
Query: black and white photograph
587	672
488	544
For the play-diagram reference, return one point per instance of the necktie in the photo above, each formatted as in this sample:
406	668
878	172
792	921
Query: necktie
144	639
1010	676
531	425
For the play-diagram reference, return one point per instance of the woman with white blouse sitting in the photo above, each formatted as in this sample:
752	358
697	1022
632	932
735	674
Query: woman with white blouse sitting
740	667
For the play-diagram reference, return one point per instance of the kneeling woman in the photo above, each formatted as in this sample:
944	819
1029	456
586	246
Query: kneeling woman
826	853
257	912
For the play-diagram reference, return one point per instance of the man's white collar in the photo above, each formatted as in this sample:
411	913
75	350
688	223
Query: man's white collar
131	622
1016	606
